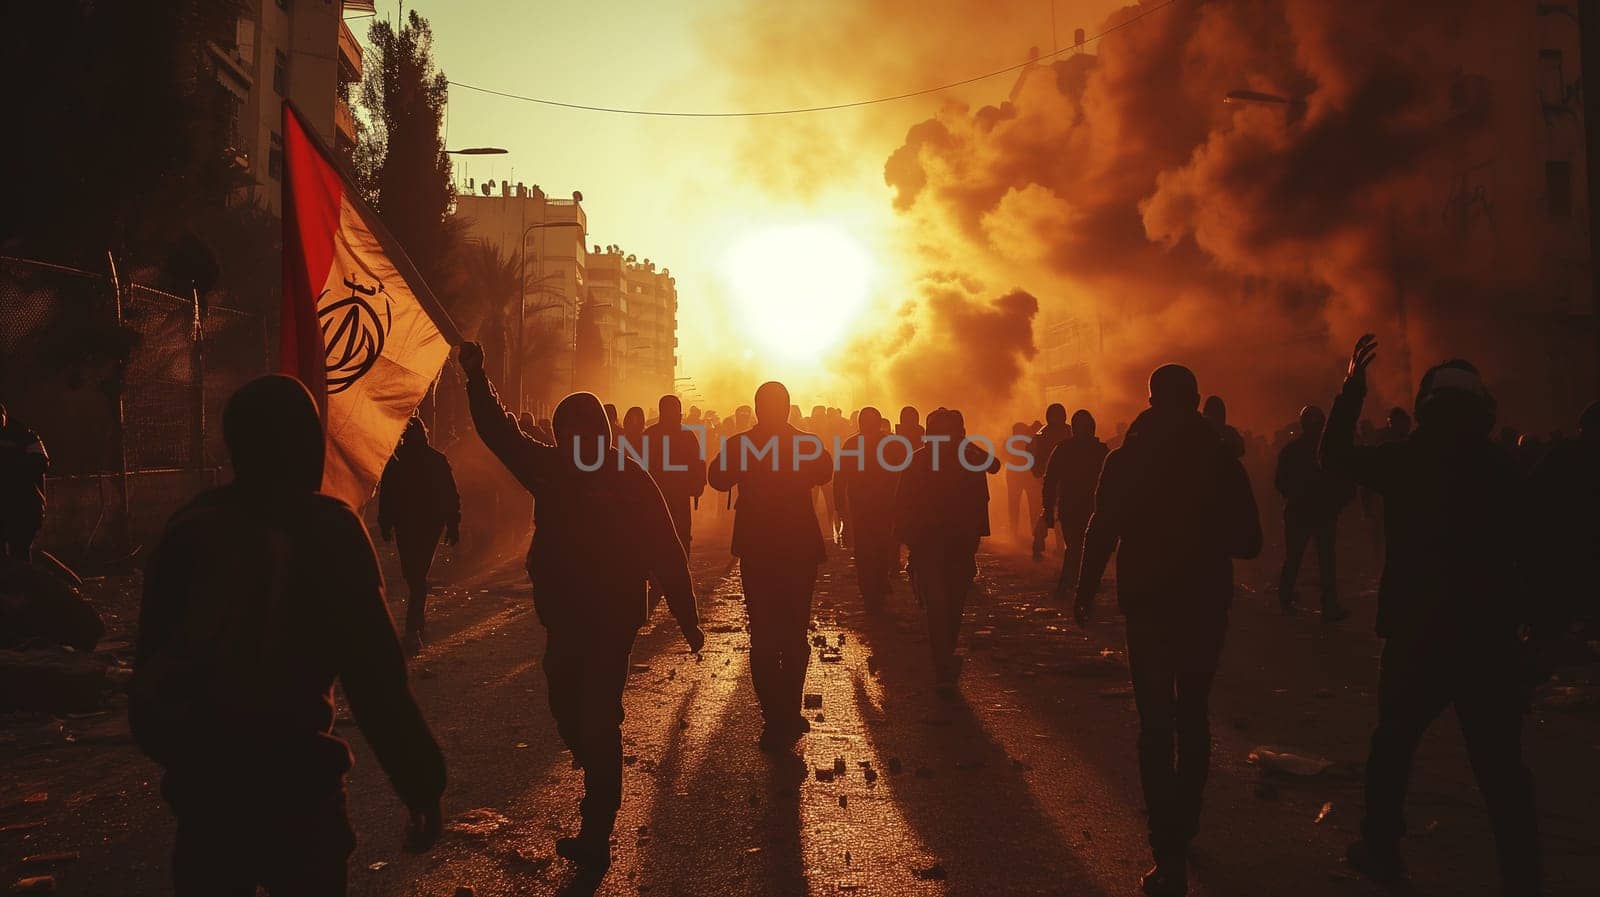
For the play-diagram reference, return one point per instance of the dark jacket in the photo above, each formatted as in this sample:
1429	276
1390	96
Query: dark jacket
1449	525
863	488
1309	492
1044	444
597	535
23	464
418	489
774	519
1565	536
1175	506
677	463
1069	481
255	602
942	504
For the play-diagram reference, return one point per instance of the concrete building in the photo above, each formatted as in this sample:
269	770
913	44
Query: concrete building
301	50
636	310
547	237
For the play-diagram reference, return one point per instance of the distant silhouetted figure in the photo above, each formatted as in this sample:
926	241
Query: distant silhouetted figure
864	494
1054	432
1565	488
1216	414
1312	500
909	427
1448	609
779	546
1069	482
1023	490
260	594
677	462
941	510
599	534
23	464
417	503
1175	505
633	430
613	419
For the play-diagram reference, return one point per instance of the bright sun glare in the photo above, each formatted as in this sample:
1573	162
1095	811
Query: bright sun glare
798	287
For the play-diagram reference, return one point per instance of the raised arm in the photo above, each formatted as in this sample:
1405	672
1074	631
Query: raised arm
1338	452
496	426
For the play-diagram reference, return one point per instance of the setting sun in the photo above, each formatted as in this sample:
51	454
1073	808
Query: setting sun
798	287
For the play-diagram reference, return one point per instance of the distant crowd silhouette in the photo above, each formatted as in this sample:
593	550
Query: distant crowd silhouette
263	592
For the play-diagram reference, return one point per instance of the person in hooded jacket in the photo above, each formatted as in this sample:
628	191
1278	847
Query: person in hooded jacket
1054	432
417	503
1447	609
260	594
776	538
23	464
1216	413
1069	481
941	511
1176	506
1312	500
601	530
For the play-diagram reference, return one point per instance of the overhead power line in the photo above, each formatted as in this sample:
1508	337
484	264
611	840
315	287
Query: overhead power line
586	107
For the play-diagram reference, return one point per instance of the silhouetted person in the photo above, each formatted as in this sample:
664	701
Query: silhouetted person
909	427
599	534
1312	500
633	431
864	493
779	546
612	419
527	424
1054	432
677	462
941	510
1447	609
1069	482
259	595
1216	414
1565	488
417	503
1022	489
1175	505
23	464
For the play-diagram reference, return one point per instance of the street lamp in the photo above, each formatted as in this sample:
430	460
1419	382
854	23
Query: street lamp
478	151
1294	108
522	285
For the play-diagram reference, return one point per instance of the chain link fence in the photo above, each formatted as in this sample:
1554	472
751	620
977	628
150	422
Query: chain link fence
125	384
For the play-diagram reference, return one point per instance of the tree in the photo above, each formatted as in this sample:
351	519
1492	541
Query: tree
400	159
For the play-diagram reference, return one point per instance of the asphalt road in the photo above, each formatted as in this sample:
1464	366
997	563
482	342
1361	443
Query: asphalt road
1026	785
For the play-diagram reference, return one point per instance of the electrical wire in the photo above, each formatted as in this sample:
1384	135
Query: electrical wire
855	104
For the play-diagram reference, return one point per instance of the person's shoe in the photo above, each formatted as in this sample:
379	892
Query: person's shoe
1333	613
412	643
777	738
801	724
1377	863
1166	879
588	851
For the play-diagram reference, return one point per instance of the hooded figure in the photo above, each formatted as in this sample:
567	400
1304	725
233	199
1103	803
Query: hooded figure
601	531
417	503
1175	505
1024	491
677	462
779	546
1312	500
1054	432
1068	495
1216	414
941	511
260	594
1448	608
864	494
23	464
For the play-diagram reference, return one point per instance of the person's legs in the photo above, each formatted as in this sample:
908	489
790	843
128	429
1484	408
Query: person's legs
960	569
416	546
1295	536
1014	504
605	674
211	857
931	581
1409	698
1327	567
1071	558
1490	708
1198	646
307	853
1154	695
794	648
762	604
563	673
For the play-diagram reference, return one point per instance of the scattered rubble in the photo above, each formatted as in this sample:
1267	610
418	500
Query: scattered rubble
1272	759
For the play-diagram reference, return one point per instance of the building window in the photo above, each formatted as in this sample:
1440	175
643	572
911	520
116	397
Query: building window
275	157
1558	187
280	73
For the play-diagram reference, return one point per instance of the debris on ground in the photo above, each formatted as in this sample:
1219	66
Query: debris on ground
479	823
35	884
1327	808
813	701
51	858
930	873
52	680
824	774
1271	759
1568	697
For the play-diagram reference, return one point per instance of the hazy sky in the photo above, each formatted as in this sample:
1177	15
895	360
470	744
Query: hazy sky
683	191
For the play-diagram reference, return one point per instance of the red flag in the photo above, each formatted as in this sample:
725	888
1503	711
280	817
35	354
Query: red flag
360	327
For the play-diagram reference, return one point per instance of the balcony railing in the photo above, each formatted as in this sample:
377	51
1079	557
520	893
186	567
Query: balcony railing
349	54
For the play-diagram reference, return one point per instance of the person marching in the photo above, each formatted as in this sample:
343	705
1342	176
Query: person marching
417	503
